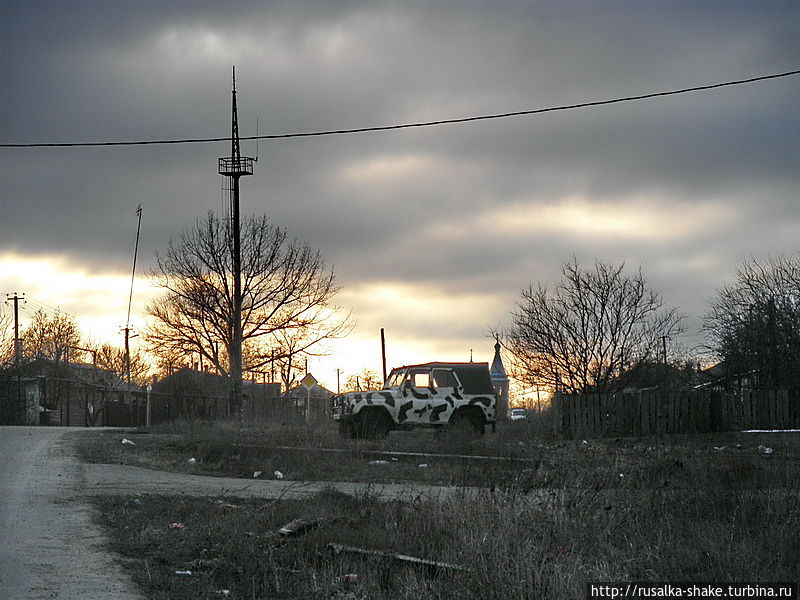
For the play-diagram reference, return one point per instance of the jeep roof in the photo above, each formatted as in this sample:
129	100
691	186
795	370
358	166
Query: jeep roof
474	376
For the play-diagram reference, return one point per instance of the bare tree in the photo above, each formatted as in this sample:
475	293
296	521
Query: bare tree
590	331
364	381
6	336
286	288
50	336
753	325
167	362
112	358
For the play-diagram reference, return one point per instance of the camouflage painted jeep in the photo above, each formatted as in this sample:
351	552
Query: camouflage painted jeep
427	395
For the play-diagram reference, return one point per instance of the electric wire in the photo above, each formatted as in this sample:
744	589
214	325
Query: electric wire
453	121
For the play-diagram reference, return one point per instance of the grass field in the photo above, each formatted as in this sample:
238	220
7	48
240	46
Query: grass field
678	508
727	460
511	547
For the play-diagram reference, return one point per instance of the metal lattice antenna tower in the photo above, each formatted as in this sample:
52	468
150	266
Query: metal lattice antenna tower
236	166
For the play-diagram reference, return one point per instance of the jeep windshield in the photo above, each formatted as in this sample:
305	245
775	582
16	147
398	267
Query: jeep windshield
395	378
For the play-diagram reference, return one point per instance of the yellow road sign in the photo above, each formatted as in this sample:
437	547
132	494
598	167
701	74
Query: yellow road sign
309	381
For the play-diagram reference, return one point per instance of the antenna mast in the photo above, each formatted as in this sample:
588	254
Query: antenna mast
235	167
127	328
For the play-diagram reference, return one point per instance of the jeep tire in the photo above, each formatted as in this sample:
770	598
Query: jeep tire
373	424
346	429
469	420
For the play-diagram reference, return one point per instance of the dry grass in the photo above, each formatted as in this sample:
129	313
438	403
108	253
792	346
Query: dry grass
515	545
686	508
706	461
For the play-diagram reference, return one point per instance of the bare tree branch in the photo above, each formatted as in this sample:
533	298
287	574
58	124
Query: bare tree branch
589	332
753	325
287	290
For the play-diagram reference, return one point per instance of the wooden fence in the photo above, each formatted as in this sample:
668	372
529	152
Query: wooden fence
664	411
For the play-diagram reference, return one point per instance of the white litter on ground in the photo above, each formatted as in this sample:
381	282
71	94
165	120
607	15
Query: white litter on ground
278	475
183	572
423	466
192	461
256	474
771	431
764	450
127	442
379	462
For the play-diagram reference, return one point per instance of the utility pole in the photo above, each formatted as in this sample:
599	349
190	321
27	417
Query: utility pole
15	298
272	366
127	328
235	167
338	390
383	353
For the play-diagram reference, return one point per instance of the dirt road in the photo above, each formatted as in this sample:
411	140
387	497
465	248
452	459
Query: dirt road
50	546
119	480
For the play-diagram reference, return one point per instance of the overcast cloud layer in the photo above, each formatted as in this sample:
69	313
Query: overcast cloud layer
686	186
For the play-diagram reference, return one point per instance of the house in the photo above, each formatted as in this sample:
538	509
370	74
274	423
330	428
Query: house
192	393
320	400
58	392
721	377
652	375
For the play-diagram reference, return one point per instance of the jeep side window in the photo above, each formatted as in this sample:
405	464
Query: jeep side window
444	378
420	378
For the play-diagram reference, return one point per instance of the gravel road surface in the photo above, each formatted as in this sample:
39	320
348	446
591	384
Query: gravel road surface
50	545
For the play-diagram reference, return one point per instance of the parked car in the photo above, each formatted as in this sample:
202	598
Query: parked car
517	414
426	395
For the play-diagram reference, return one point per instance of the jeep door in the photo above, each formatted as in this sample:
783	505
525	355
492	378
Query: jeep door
418	388
446	386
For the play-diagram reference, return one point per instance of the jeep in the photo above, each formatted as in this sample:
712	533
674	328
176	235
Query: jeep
433	394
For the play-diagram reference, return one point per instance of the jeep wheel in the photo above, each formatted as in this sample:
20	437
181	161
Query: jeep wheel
468	420
374	425
346	430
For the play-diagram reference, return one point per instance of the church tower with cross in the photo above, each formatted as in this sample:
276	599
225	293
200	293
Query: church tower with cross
500	382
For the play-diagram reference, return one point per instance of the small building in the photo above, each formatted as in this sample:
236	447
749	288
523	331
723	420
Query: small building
58	392
320	400
192	393
500	381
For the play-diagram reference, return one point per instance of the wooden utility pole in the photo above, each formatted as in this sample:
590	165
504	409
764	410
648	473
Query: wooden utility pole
15	298
127	329
383	353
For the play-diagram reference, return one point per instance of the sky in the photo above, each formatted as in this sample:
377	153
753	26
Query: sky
432	232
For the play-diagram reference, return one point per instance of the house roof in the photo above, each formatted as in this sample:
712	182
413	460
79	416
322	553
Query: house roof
92	374
206	384
300	391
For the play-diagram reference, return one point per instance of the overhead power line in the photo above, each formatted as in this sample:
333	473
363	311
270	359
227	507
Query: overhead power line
504	115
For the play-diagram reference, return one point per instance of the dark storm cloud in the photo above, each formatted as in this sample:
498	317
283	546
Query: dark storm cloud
374	202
